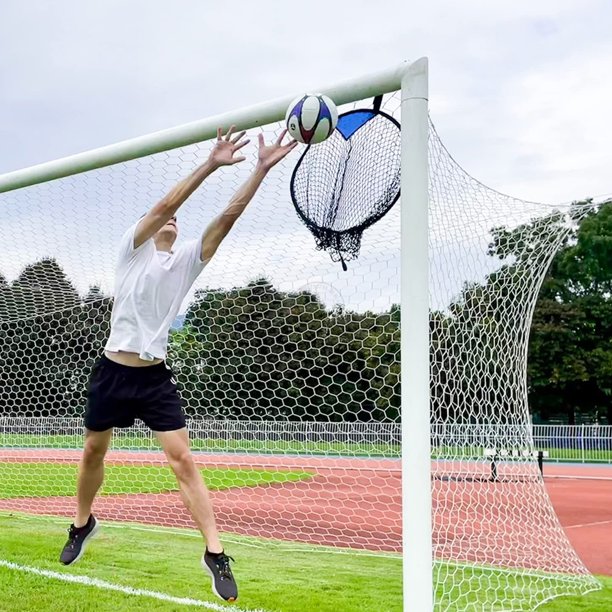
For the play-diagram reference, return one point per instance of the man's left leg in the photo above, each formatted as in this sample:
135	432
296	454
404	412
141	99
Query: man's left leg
197	500
193	490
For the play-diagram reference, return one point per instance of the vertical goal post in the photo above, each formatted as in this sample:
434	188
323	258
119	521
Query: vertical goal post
416	452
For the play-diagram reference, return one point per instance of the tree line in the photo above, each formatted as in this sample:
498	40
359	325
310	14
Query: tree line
256	352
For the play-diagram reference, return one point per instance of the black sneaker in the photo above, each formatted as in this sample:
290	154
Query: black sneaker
77	540
223	583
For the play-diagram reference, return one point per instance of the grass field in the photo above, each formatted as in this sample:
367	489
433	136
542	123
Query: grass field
273	576
330	449
122	442
49	479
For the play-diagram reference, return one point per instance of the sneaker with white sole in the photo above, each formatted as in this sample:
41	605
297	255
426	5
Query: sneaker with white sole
77	540
223	583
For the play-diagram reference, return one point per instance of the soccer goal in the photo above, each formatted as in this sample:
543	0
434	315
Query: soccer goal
290	366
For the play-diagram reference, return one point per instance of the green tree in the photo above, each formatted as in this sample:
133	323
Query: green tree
48	341
478	344
41	288
570	350
258	353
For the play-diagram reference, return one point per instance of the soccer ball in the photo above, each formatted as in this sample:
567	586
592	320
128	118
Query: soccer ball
311	118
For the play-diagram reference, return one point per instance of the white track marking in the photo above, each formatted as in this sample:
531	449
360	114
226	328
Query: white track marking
109	586
574	477
588	524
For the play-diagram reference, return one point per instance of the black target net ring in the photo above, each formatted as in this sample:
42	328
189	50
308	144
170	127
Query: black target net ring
348	182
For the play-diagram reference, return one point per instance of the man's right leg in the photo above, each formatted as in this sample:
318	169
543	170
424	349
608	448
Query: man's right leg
91	472
91	475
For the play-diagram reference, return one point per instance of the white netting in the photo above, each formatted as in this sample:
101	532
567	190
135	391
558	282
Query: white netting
498	248
289	367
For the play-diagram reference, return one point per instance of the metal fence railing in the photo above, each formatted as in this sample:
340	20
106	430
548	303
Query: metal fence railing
581	443
584	443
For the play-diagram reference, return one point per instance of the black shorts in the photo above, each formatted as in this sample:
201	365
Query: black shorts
119	394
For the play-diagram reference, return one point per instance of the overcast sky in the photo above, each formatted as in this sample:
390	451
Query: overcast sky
520	93
520	90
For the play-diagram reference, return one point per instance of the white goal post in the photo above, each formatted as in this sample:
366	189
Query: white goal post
416	472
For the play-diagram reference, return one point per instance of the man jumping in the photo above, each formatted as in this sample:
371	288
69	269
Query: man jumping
131	380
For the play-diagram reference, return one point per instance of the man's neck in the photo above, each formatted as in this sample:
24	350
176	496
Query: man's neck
162	245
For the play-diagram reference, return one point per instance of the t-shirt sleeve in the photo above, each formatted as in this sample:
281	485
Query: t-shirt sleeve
127	252
188	256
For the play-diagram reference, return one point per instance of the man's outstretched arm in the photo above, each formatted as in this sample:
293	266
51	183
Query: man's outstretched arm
220	226
223	154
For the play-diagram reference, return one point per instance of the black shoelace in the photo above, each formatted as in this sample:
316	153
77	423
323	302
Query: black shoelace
73	534
222	563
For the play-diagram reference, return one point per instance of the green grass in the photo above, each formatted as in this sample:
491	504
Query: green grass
274	576
554	454
598	601
59	479
575	454
466	587
121	442
270	576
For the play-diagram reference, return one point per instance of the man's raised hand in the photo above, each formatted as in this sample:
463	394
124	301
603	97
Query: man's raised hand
270	155
226	147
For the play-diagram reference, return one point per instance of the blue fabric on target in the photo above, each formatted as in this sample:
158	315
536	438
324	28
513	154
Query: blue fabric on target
349	124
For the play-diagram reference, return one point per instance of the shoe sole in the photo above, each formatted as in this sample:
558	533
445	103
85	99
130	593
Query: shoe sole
86	539
212	583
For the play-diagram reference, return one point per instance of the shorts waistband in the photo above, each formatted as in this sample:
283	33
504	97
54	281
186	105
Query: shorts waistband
134	370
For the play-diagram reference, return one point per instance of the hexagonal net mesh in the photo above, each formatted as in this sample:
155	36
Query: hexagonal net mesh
289	368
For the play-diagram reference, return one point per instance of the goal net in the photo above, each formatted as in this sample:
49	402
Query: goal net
289	369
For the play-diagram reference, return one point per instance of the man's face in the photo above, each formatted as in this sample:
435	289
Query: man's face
173	223
170	230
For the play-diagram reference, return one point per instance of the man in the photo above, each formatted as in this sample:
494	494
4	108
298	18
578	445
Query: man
131	379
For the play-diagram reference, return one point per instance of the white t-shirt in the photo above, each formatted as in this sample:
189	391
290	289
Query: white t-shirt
150	286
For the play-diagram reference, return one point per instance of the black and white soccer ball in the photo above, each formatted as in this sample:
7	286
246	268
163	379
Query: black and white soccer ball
311	118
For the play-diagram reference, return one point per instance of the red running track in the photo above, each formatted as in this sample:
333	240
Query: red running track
348	502
584	508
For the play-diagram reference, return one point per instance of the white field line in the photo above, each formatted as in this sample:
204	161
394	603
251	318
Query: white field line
109	586
588	524
279	544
